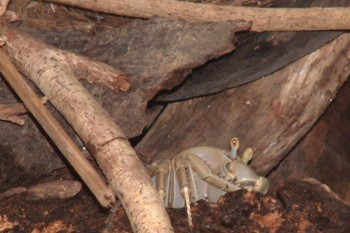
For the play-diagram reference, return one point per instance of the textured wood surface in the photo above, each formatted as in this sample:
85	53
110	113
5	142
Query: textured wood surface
155	55
263	19
271	115
256	55
324	151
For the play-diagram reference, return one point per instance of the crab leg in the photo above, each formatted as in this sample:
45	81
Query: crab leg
205	172
162	168
180	166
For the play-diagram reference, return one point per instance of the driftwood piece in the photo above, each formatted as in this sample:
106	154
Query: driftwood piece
300	206
155	55
58	135
53	190
324	151
11	112
125	173
62	189
270	115
11	192
92	71
80	213
264	19
97	72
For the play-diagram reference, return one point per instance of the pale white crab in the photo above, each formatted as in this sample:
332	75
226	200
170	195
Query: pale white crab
204	172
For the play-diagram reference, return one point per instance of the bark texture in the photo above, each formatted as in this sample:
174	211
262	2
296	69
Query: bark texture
270	115
51	72
324	152
155	55
264	19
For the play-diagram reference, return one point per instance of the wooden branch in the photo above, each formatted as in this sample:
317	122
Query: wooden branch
62	189
11	192
264	19
97	72
11	112
56	132
124	171
93	71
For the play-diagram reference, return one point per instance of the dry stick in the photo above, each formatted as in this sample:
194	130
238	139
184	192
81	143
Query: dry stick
56	132
97	72
264	19
126	174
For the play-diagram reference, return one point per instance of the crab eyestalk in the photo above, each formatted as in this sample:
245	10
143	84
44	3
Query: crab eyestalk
234	143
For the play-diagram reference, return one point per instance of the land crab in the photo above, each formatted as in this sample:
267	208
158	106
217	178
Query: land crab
204	172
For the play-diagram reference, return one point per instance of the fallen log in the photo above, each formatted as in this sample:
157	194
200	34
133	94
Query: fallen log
324	152
52	74
264	19
270	115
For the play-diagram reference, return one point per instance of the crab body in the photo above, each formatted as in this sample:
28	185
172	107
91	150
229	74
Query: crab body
204	172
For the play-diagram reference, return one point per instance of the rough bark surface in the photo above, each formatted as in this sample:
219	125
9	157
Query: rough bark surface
270	115
264	19
155	55
51	72
324	151
256	55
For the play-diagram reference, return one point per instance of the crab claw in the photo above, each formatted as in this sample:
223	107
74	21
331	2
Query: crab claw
261	185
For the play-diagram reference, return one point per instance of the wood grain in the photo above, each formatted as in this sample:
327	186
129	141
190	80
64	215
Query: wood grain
271	115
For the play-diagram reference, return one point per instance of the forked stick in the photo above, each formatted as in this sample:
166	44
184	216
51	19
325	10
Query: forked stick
51	126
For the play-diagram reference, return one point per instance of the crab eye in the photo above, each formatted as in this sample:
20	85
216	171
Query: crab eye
235	143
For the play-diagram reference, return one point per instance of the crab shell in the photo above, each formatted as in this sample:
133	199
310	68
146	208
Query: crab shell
208	173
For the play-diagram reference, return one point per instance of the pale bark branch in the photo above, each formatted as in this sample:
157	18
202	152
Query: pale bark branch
264	19
56	132
93	71
125	173
97	72
61	189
